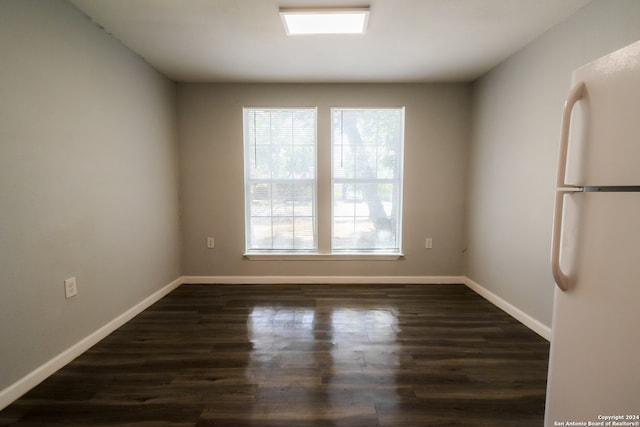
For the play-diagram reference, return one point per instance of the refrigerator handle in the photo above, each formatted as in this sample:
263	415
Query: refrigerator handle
560	278
574	96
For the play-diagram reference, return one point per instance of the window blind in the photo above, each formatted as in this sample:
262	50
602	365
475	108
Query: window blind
280	179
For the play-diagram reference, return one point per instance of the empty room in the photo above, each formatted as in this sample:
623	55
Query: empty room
319	212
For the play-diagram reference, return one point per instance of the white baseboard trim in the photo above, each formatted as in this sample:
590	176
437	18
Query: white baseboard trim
535	325
35	377
331	280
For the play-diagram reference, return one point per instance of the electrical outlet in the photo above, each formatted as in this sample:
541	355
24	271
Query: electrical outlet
211	243
428	243
70	287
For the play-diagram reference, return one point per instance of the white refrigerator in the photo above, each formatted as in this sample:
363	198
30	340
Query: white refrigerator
594	363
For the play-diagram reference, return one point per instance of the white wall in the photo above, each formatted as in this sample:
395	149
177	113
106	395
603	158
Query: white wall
88	181
212	181
514	147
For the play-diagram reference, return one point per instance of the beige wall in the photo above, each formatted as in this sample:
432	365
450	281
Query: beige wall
212	180
88	181
514	147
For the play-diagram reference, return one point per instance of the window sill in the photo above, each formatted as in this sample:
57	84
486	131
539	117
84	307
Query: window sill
283	256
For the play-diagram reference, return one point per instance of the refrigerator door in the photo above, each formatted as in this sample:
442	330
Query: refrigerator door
594	365
604	147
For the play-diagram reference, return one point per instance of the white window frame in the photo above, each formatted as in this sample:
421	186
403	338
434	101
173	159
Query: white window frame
323	215
398	181
249	181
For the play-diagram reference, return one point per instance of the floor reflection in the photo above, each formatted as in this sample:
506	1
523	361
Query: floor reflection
336	362
282	363
364	352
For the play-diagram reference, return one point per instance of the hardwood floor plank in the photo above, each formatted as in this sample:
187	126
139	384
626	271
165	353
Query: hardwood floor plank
302	355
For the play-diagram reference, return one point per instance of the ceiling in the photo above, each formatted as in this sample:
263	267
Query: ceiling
407	40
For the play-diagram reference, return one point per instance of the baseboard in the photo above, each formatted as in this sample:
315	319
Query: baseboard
35	377
535	325
331	280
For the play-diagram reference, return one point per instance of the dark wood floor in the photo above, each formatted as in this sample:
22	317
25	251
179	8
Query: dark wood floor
312	355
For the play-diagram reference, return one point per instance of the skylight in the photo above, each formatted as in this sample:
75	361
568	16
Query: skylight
325	21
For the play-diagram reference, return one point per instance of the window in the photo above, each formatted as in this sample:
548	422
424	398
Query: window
280	179
361	206
366	177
